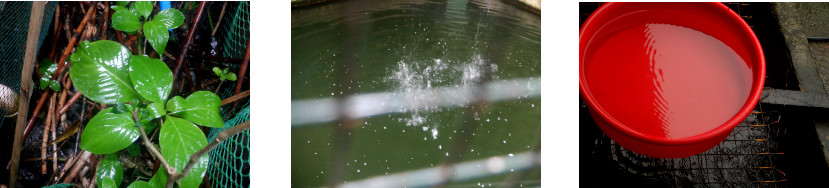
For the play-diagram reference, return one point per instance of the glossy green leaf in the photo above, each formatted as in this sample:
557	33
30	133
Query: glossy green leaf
159	179
179	139
107	183
156	35
125	21
148	125
225	70
108	132
100	70
142	8
117	8
134	149
122	108
47	68
151	78
217	71
170	18
156	110
201	107
140	184
231	76
110	169
60	185
176	105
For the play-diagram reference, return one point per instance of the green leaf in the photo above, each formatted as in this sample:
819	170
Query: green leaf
179	139
140	184
108	132
159	179
107	183
151	78
201	107
125	21
47	68
122	108
110	169
117	8
156	110
60	185
217	71
143	8
175	105
156	35
134	149
54	85
225	71
231	76
100	70
170	18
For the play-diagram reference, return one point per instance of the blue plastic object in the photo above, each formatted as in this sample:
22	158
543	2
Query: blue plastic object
165	5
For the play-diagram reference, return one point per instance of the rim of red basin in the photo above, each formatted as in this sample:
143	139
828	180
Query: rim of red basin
758	78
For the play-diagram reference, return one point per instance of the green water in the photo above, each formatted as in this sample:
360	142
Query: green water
360	47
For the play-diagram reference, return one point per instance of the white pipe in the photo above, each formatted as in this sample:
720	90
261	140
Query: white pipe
322	110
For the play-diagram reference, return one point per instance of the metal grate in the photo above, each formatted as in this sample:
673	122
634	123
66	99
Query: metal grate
745	158
14	18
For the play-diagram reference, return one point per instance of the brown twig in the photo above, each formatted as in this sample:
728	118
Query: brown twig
70	103
71	44
45	137
189	38
106	20
154	151
242	70
194	158
220	19
236	97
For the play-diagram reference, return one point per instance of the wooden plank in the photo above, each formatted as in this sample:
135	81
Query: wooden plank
35	19
805	68
794	98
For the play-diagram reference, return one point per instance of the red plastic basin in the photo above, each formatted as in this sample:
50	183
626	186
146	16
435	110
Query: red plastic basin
669	80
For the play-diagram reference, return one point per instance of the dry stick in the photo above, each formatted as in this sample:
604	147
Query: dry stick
243	69
45	137
220	19
236	97
79	163
35	17
106	20
69	104
153	150
194	158
187	41
71	44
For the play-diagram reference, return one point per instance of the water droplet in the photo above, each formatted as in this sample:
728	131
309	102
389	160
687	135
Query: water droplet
366	164
384	127
505	141
533	105
510	154
358	170
309	141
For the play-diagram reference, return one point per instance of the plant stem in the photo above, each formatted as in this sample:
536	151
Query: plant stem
187	41
236	97
155	152
194	158
69	104
71	44
219	87
220	19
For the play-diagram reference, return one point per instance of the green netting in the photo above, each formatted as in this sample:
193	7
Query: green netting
230	162
14	28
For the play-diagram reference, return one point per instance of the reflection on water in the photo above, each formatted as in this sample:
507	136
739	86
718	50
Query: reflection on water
416	50
692	81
